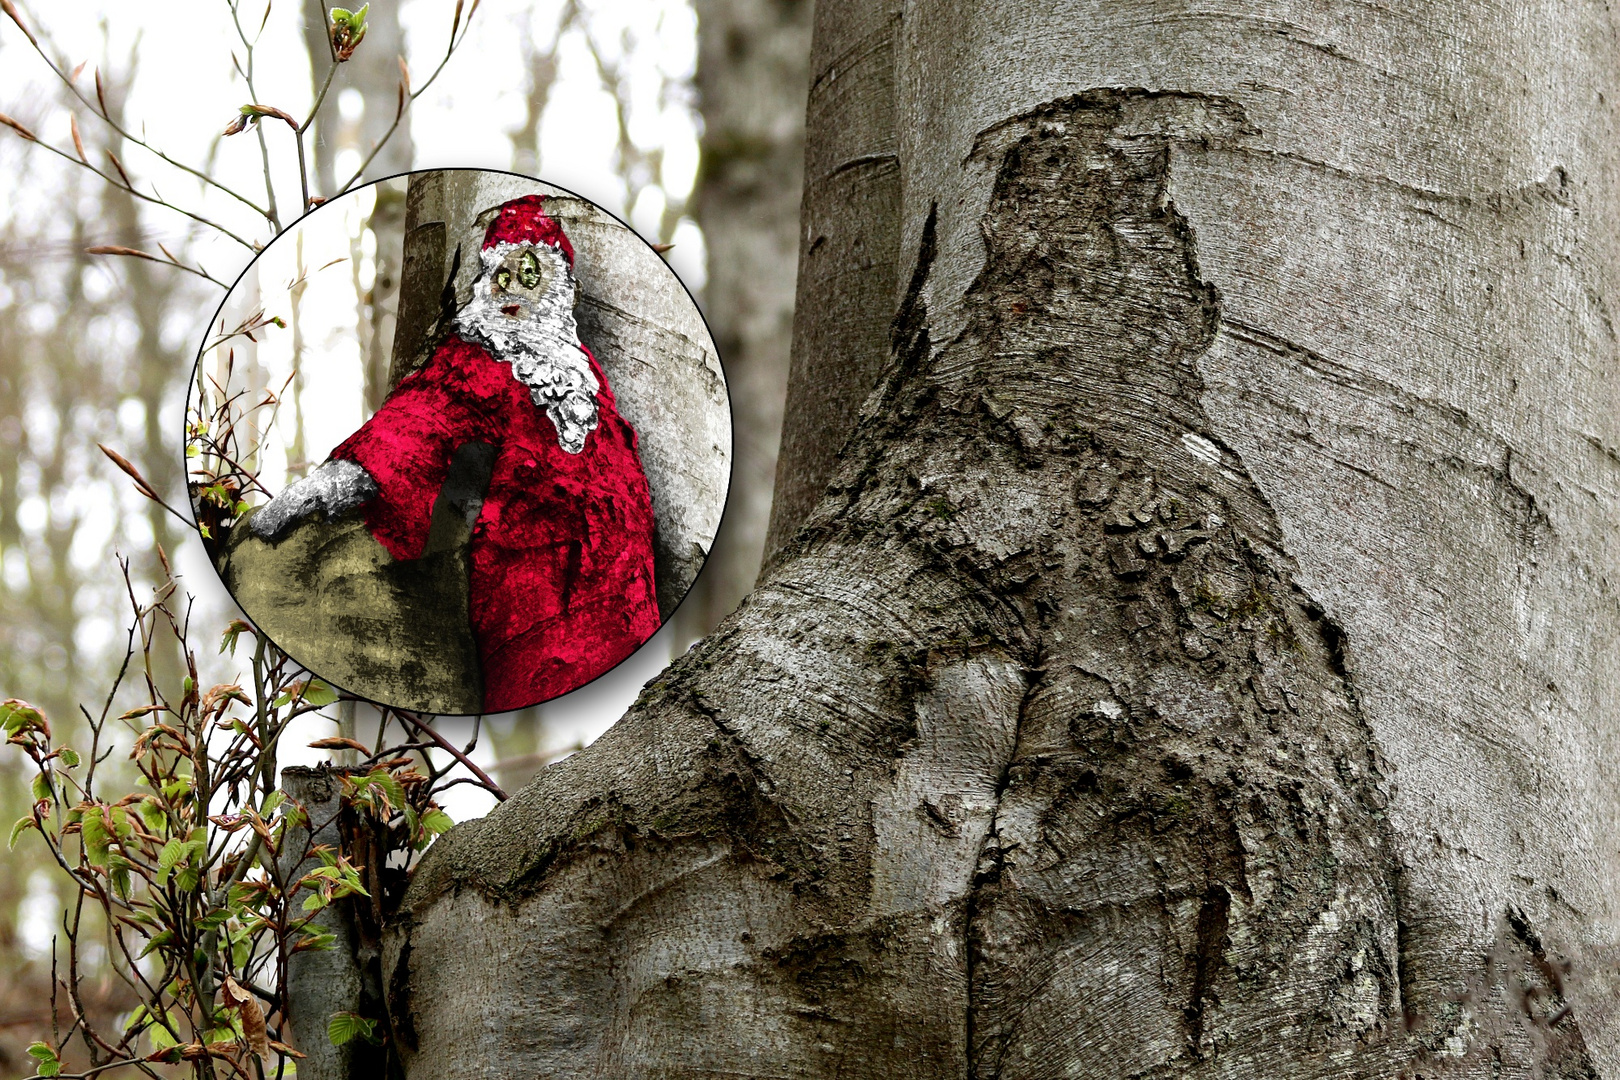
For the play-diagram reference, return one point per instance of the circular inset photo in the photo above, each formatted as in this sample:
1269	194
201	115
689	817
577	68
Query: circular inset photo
458	442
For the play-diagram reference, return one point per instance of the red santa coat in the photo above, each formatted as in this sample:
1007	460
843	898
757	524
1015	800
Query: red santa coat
562	557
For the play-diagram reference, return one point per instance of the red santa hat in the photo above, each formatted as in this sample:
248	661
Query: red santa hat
524	221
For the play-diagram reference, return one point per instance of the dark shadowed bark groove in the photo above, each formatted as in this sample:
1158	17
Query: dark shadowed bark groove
1027	758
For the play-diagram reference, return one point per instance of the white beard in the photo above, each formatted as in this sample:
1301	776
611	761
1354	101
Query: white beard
542	345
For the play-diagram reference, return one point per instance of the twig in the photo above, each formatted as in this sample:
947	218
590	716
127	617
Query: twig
271	212
444	744
129	136
154	200
407	100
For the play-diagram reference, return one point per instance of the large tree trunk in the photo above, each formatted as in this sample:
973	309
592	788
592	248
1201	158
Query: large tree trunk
1202	658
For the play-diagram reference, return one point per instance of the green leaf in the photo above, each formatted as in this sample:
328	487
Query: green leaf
46	1057
214	919
93	834
158	941
41	787
318	693
275	799
69	757
140	1011
17	830
320	941
159	1035
353	19
119	876
390	786
17	715
152	813
232	632
227	1033
188	879
313	692
345	1026
314	902
172	853
435	822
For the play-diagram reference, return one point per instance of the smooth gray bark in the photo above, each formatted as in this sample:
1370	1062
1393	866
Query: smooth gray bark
849	263
753	69
1201	660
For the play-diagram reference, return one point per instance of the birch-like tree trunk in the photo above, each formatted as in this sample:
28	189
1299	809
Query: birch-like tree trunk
1201	659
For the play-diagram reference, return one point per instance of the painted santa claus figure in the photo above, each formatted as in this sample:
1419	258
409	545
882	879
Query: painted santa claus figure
561	554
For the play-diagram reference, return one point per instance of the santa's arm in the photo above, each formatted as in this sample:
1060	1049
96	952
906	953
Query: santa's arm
395	464
333	488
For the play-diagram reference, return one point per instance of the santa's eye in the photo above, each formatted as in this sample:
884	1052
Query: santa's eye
503	279
529	270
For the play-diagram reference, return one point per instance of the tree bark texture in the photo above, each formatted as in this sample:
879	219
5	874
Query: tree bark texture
1201	658
753	69
343	977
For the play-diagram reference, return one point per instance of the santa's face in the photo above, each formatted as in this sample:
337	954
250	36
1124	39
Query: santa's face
520	279
522	312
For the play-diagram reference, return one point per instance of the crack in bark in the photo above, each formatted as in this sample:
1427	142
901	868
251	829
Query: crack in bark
1518	503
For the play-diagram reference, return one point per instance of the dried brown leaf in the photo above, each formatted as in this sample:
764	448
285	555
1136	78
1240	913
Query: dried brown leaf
17	127
116	249
78	143
234	995
118	459
338	742
11	10
119	165
269	110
